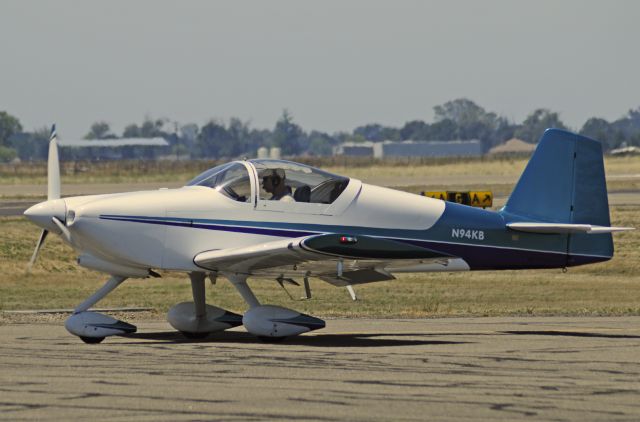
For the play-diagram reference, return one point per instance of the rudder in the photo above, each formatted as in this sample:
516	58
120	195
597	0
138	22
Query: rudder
564	182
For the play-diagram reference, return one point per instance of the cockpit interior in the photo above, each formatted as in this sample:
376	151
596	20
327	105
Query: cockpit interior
275	180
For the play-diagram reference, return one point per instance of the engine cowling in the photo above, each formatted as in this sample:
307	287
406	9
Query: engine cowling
96	325
276	321
183	318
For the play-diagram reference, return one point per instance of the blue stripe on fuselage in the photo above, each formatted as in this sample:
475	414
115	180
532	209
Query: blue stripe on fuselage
498	249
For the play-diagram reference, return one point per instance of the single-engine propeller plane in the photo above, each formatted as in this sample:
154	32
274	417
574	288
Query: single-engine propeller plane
283	221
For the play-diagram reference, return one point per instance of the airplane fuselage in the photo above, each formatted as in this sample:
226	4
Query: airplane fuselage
165	229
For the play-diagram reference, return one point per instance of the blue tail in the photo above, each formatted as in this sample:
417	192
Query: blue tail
564	182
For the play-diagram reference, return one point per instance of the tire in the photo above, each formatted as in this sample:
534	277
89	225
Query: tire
92	340
267	339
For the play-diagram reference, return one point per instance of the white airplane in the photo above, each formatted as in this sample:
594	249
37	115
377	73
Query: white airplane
282	220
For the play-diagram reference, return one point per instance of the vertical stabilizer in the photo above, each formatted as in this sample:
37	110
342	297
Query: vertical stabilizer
564	182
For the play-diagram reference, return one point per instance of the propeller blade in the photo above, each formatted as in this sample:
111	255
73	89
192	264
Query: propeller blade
53	167
352	292
43	236
63	229
53	191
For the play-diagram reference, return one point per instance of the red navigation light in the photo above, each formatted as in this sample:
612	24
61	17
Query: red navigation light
348	240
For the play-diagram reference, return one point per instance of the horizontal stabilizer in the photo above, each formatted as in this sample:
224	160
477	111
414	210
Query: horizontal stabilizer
564	228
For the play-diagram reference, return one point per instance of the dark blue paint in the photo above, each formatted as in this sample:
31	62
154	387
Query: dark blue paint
479	256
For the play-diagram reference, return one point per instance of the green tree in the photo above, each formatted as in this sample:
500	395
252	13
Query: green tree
32	146
416	130
355	138
443	130
131	131
599	129
240	139
321	144
148	129
100	130
288	136
376	132
216	140
211	136
536	123
471	122
626	130
9	126
461	111
7	154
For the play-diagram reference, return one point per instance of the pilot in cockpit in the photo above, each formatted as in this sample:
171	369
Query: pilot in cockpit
273	181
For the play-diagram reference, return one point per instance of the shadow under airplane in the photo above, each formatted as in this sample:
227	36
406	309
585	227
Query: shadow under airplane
568	334
318	340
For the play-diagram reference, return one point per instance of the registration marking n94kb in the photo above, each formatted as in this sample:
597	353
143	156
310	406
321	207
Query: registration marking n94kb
467	234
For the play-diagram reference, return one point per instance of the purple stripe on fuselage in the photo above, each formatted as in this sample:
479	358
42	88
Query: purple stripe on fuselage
478	257
236	229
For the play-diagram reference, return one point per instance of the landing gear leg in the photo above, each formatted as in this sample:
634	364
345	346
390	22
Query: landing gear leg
93	327
108	287
196	320
199	302
198	291
268	322
239	281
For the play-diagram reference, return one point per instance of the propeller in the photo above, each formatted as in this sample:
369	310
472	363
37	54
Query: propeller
53	188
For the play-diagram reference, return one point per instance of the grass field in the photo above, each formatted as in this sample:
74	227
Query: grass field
611	288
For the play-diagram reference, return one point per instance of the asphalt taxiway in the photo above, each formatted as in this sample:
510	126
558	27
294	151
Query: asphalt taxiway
435	369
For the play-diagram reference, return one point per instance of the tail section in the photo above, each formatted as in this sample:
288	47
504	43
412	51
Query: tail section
564	184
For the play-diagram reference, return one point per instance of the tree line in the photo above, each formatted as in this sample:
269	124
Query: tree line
460	119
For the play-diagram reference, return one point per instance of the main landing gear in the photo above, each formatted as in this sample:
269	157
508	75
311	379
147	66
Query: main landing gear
197	319
269	323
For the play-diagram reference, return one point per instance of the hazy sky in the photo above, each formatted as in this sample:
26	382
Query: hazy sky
334	64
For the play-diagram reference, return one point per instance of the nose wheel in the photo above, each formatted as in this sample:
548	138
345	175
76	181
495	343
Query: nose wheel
93	327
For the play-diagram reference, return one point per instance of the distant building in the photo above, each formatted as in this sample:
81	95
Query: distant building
390	149
114	149
513	146
625	151
356	149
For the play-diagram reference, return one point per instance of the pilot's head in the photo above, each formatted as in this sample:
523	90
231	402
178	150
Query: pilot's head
273	179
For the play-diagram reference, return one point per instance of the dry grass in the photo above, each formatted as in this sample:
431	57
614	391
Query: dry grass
472	167
169	171
611	288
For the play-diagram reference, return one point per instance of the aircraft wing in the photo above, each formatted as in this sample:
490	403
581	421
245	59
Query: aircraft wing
249	258
336	258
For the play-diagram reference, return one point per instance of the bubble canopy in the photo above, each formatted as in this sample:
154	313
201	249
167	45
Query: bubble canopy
299	182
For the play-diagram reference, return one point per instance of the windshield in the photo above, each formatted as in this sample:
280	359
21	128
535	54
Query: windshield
288	181
231	180
208	174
